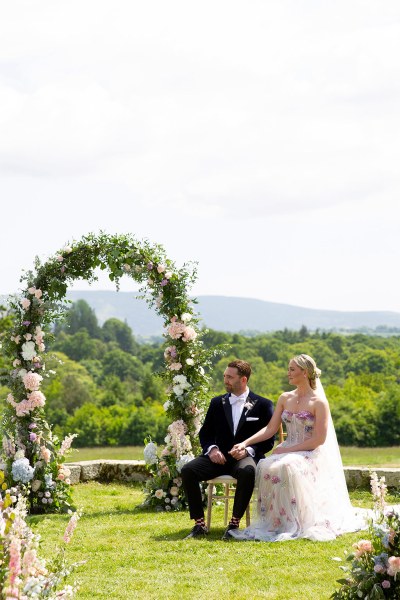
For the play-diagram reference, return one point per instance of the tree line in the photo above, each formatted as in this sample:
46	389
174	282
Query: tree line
107	390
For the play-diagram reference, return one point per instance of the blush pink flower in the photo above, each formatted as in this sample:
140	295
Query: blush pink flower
176	366
25	303
45	454
394	565
37	399
189	334
362	547
32	381
176	330
71	527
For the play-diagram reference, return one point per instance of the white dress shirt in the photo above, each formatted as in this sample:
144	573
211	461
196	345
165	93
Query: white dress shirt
237	404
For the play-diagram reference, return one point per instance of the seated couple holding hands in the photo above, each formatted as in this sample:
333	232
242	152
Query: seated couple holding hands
300	489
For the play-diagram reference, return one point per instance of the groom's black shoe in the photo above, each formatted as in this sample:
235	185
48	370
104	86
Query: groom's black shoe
226	537
197	532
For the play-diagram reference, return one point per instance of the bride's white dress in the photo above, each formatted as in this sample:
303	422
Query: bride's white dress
302	494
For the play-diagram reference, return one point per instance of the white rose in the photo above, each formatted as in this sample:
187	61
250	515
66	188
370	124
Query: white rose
28	350
190	361
186	317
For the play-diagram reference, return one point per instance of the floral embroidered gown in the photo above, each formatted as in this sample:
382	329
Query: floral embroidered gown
302	494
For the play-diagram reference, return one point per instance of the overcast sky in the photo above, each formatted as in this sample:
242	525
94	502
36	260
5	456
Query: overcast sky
259	138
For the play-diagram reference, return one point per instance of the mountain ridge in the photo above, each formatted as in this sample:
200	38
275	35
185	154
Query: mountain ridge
232	314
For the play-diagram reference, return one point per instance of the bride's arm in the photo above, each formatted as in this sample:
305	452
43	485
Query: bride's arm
266	432
319	434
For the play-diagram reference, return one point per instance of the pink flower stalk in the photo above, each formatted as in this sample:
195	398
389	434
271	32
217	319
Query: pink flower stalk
71	527
15	560
66	444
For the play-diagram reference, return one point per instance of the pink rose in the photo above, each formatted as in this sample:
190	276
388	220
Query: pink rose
161	268
45	454
189	334
38	294
59	258
32	381
362	547
175	366
25	303
394	565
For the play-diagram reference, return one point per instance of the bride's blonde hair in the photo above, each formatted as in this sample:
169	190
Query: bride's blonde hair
308	364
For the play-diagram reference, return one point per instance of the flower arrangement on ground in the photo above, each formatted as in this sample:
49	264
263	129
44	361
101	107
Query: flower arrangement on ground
375	562
23	574
34	456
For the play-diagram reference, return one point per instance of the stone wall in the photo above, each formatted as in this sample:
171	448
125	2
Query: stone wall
136	470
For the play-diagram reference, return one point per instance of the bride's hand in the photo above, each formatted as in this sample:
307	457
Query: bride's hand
237	448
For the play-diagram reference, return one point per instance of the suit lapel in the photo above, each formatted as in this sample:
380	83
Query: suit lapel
251	399
228	411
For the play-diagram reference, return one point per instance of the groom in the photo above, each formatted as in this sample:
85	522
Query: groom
230	419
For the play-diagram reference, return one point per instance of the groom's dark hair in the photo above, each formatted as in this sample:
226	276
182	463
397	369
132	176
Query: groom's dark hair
243	367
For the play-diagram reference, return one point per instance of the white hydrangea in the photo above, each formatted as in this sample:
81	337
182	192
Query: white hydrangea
150	453
185	458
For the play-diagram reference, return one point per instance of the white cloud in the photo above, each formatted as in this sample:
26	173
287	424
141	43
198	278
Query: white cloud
192	124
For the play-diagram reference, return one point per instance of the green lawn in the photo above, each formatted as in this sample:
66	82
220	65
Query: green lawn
132	554
371	457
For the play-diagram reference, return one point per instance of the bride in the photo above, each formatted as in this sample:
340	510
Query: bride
300	488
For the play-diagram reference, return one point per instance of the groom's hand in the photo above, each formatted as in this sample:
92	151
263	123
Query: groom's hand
216	456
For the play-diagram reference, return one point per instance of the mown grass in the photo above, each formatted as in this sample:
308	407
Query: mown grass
134	554
371	457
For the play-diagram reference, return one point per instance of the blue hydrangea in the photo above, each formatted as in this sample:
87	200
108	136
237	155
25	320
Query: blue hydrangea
48	479
21	470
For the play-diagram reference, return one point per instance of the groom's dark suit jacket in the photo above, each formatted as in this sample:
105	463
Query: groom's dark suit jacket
217	428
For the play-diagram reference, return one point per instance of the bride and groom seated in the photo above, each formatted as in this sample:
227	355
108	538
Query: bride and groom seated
300	488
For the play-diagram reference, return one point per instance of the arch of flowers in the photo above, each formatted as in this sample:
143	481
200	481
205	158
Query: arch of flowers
34	456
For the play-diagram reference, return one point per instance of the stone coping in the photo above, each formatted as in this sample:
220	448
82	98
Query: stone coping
136	470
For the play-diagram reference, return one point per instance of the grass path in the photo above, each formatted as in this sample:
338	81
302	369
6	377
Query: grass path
133	554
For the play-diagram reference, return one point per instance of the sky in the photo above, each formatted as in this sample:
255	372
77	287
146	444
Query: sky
259	138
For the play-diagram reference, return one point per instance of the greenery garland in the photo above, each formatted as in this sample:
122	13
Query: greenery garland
34	456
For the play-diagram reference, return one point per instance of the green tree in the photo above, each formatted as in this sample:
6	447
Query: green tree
114	330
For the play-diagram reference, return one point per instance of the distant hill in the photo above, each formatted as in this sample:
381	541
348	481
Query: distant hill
233	314
226	313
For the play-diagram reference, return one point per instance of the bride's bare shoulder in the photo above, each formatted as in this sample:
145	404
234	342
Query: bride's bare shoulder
286	396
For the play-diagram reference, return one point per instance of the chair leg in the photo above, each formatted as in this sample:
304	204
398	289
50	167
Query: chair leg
209	504
226	503
248	515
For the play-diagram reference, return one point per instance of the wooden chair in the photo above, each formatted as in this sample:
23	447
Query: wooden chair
229	492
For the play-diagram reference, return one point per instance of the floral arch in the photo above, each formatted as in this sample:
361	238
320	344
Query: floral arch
34	456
